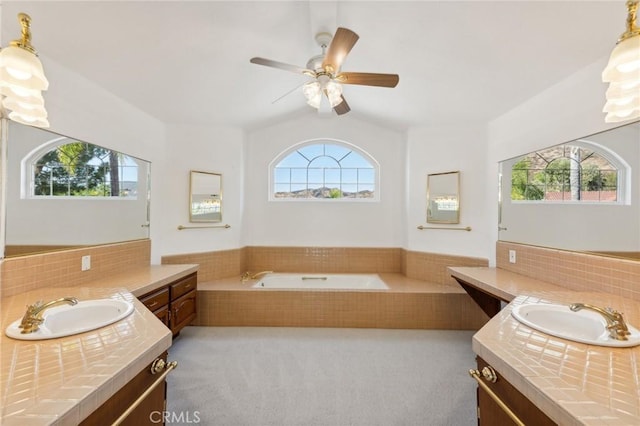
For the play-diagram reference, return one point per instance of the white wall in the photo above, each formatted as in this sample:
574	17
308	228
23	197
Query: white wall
440	149
566	111
322	223
206	149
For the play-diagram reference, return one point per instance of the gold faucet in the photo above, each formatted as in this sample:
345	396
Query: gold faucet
248	276
615	322
33	317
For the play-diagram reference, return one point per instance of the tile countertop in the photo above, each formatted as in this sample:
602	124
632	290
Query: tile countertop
61	381
573	383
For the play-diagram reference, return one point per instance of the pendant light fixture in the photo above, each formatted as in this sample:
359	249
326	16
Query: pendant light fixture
22	79
623	72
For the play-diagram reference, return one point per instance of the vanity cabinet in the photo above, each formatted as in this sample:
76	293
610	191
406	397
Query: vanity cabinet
147	412
174	303
490	413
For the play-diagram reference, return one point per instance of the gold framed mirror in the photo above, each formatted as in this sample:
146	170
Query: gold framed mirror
443	197
205	197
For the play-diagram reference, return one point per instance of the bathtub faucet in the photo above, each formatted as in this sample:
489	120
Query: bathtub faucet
248	276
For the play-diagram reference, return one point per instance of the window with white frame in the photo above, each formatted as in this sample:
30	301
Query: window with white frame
80	169
581	171
324	169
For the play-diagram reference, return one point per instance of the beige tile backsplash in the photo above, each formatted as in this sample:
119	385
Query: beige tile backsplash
62	268
573	270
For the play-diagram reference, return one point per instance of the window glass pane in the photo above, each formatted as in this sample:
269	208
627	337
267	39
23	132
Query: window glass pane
293	160
355	160
332	175
324	162
366	176
336	151
328	170
281	175
299	175
312	151
349	175
315	175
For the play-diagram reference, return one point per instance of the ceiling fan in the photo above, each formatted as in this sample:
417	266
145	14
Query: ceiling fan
326	74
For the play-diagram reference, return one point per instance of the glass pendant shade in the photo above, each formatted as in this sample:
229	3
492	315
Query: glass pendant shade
28	120
334	93
312	93
22	79
623	73
21	67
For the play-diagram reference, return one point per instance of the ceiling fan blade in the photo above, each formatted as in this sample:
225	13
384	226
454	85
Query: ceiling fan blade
282	66
341	44
342	107
368	79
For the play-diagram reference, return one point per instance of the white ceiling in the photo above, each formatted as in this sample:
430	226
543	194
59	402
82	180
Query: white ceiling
188	62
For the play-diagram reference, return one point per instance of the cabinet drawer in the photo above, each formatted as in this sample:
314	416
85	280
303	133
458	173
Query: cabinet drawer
184	286
155	300
183	311
163	315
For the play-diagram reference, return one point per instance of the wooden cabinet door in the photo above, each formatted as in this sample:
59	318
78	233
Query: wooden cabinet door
490	413
183	311
145	414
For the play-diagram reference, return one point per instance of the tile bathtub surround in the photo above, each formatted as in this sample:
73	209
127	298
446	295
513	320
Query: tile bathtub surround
216	265
62	269
433	266
573	270
213	265
408	304
61	381
324	259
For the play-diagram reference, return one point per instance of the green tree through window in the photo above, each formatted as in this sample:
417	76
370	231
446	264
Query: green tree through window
80	169
564	173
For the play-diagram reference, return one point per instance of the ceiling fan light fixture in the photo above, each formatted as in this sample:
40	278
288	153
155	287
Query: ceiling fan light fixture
334	93
623	72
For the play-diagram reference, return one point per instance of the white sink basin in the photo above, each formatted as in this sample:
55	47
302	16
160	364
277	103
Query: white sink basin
66	320
582	326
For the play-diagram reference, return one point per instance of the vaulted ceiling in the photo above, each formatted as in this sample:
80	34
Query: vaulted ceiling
188	62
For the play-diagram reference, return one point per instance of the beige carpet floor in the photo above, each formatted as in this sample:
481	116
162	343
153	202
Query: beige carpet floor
262	376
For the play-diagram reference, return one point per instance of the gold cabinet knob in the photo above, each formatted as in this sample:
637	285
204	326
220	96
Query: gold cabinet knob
489	374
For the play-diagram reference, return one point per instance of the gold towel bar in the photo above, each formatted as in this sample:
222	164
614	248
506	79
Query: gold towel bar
476	375
468	228
169	366
180	227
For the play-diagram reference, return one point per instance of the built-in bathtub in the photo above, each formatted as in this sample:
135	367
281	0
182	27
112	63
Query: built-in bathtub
405	303
291	281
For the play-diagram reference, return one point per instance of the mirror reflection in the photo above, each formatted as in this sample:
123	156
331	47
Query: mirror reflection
62	192
443	197
205	202
580	195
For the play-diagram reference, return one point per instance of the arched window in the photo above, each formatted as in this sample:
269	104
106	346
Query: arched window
581	171
68	168
324	169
